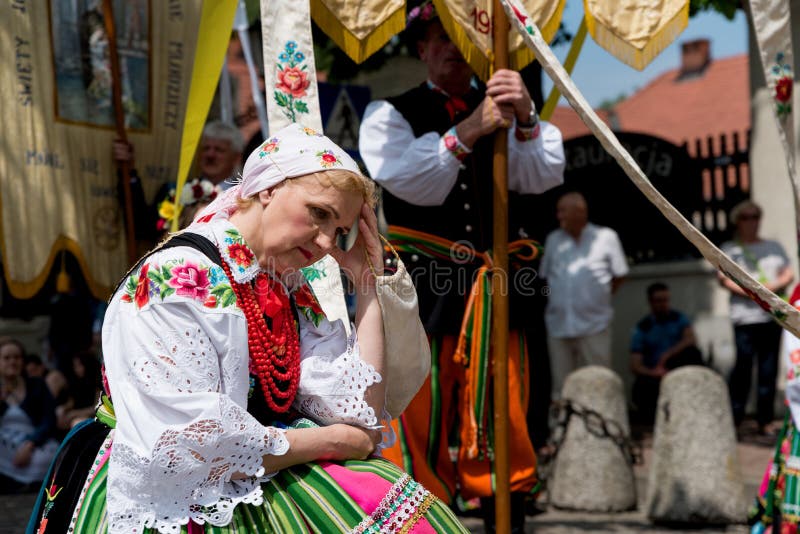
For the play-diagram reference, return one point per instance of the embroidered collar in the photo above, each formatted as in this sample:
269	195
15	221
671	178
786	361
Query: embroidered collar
239	256
232	247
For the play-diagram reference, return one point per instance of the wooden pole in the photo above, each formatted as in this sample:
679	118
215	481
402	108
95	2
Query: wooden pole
500	295
119	120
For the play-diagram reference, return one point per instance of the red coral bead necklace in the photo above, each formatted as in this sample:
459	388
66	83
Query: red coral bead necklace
274	356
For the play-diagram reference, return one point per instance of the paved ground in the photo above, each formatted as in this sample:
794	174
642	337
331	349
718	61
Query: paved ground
753	455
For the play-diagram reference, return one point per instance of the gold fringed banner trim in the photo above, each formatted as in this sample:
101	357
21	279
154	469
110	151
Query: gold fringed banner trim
476	58
357	49
638	58
29	289
479	60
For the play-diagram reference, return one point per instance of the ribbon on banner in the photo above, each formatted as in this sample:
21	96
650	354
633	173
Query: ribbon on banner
781	311
290	76
214	34
773	29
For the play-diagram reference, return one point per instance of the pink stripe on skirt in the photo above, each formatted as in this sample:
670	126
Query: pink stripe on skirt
367	490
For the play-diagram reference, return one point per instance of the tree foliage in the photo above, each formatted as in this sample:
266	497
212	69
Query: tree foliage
726	7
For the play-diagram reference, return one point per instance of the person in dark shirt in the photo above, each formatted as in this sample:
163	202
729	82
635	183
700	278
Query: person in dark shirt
662	340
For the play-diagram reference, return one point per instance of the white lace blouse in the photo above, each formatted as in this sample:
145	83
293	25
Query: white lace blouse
176	357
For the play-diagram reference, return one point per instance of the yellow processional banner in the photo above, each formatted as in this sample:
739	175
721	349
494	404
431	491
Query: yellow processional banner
636	31
58	183
469	25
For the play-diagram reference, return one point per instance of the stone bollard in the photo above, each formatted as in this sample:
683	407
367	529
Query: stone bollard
695	476
591	471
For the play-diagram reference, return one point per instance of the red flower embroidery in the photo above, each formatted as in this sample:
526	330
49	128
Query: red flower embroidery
304	298
142	294
783	89
240	254
190	281
522	18
328	159
210	302
758	300
795	356
293	81
450	142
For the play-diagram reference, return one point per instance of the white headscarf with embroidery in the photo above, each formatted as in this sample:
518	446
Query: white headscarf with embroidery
292	152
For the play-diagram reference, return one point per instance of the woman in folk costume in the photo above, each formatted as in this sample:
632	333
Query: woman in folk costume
237	406
777	507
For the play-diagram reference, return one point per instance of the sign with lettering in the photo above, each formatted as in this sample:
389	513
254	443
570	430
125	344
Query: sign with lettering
58	182
614	201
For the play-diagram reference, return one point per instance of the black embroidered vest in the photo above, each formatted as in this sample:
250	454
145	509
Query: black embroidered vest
466	215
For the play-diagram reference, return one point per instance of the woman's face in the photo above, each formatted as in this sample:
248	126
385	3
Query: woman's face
301	221
10	360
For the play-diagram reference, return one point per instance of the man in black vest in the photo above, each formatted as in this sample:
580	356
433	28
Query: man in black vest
431	150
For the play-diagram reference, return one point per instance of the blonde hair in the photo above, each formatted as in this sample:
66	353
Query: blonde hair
340	179
737	210
346	181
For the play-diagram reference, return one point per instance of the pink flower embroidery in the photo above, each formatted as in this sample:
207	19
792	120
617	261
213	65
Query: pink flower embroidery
190	281
293	81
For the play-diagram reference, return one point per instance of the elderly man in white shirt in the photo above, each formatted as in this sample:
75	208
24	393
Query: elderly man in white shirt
584	265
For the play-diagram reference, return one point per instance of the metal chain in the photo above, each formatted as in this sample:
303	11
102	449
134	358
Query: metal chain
596	425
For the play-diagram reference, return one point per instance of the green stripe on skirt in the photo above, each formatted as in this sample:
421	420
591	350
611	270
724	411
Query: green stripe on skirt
301	499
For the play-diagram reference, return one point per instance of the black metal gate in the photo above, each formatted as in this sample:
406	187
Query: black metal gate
703	187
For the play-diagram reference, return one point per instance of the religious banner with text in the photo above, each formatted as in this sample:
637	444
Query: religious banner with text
58	183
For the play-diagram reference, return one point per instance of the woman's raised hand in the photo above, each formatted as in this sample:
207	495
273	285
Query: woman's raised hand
368	245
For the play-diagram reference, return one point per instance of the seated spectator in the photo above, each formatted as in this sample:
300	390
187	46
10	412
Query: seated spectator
55	379
663	340
27	421
84	391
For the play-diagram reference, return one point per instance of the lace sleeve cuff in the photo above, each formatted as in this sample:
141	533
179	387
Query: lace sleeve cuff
332	388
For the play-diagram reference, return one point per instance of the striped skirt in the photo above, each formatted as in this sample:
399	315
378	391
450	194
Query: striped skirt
372	495
777	506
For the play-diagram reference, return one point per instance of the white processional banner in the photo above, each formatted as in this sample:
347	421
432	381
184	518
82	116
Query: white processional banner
290	77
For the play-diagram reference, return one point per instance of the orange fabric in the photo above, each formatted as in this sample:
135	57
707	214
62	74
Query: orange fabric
472	477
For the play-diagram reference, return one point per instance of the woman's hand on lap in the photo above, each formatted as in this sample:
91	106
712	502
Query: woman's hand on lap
348	442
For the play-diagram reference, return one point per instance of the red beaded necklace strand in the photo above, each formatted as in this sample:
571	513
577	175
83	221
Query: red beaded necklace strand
274	356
